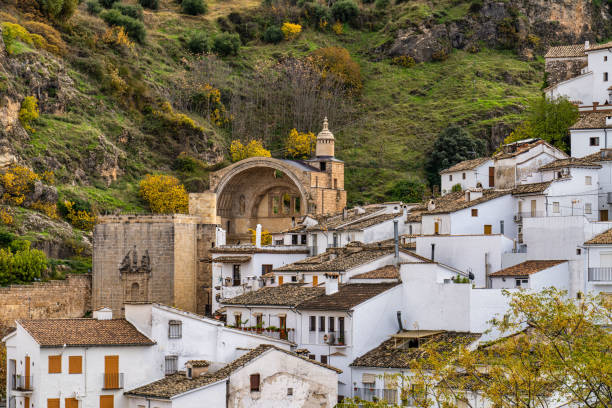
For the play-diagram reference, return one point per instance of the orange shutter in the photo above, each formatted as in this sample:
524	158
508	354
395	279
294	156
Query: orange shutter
27	372
75	365
55	364
280	280
111	372
53	403
487	229
26	402
71	403
315	280
107	401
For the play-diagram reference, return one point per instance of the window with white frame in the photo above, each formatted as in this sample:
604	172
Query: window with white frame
171	365
587	208
521	283
587	180
556	208
175	329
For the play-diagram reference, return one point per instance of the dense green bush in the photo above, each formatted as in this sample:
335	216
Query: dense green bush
345	10
199	42
194	7
58	9
130	10
134	28
107	3
407	191
93	7
150	4
273	34
382	4
317	14
226	44
21	266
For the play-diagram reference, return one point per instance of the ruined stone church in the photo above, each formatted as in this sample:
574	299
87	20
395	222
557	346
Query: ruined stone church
166	259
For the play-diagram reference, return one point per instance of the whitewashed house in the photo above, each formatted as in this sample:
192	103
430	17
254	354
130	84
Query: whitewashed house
182	336
592	85
77	363
599	263
533	274
592	131
266	377
604	177
468	174
237	269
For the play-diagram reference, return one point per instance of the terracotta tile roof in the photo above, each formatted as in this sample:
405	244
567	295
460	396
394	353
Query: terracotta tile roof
360	225
466	165
600	156
252	249
574	50
599	46
198	363
592	120
347	297
395	353
602	239
289	294
385	272
178	383
232	259
334	221
84	332
527	268
569	162
531	188
456	201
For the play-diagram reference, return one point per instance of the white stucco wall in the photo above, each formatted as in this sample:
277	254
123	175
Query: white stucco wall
472	177
580	140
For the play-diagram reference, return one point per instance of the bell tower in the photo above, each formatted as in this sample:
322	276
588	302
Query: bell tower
325	142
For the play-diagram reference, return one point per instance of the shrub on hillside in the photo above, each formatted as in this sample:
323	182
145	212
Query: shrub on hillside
338	62
199	42
23	266
382	4
317	14
93	7
55	44
58	9
17	181
28	112
226	44
130	10
164	194
81	219
150	4
345	10
291	31
273	35
134	28
194	7
107	3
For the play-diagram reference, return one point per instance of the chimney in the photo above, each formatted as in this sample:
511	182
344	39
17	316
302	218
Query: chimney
104	313
196	368
396	241
595	104
431	205
331	283
344	213
258	236
608	120
587	45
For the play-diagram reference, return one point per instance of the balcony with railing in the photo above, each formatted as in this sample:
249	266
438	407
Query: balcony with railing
376	395
601	275
518	217
21	382
112	381
332	338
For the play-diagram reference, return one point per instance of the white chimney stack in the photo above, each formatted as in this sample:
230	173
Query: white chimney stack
608	120
103	313
258	236
587	45
331	283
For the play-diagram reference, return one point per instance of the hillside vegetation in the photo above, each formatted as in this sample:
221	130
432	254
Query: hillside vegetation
122	91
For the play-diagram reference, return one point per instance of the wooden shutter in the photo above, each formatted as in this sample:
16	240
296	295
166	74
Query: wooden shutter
75	365
26	402
315	280
111	372
487	229
106	401
254	382
436	228
71	403
53	403
603	215
280	280
491	177
27	372
55	364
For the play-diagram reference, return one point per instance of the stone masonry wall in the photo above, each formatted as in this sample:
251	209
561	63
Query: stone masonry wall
55	299
558	70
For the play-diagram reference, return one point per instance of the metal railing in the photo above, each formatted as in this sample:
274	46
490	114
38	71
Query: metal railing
600	274
112	381
21	382
335	338
286	334
529	214
377	394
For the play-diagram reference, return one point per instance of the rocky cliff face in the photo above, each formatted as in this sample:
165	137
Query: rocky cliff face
528	26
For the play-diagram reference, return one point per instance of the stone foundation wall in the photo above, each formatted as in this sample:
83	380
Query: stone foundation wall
55	299
559	70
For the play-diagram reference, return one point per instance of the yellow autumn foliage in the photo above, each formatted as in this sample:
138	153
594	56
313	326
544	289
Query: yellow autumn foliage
300	145
118	37
6	217
266	237
28	112
17	182
338	28
79	218
252	149
291	31
164	194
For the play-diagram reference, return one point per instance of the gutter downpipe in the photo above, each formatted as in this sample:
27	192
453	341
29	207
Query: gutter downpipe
396	242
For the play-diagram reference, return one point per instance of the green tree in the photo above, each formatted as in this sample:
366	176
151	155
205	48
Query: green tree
452	146
194	7
549	120
345	10
408	191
